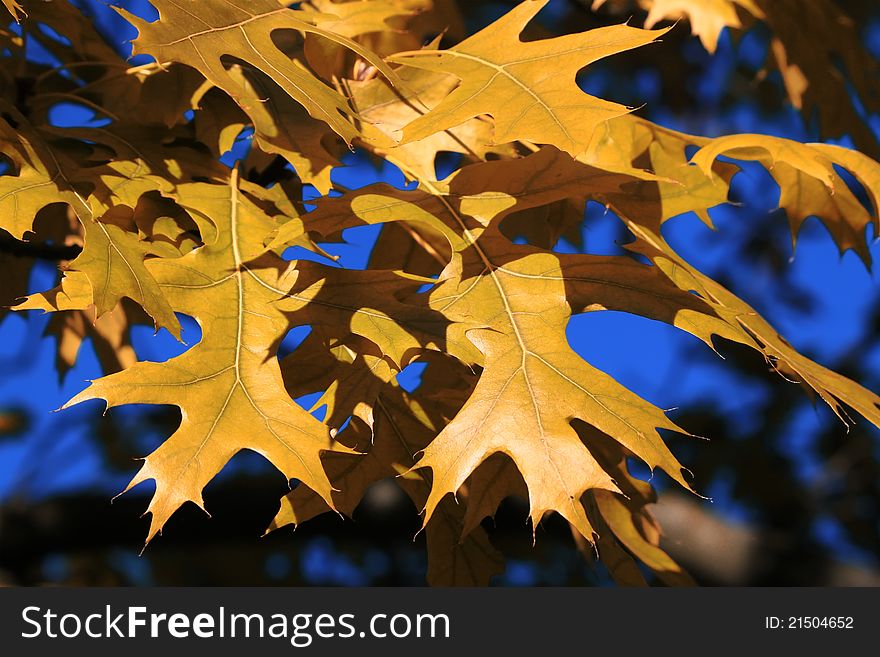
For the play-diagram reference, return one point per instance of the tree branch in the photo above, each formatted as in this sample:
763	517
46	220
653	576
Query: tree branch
38	250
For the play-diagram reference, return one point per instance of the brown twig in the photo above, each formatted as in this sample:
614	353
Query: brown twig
38	250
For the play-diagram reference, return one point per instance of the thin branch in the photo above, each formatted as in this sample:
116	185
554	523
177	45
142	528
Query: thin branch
38	250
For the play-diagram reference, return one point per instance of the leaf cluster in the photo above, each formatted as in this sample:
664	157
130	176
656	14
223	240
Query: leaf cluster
148	225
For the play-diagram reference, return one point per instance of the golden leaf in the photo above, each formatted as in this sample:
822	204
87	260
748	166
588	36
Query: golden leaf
809	185
14	8
245	30
228	386
527	87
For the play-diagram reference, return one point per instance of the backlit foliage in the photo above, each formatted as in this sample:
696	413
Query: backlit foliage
148	214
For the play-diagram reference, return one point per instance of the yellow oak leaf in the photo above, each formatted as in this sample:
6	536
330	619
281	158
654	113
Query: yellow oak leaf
39	180
511	305
245	30
532	386
74	292
113	261
14	8
352	20
528	88
282	127
112	257
385	111
809	184
707	17
633	146
228	385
